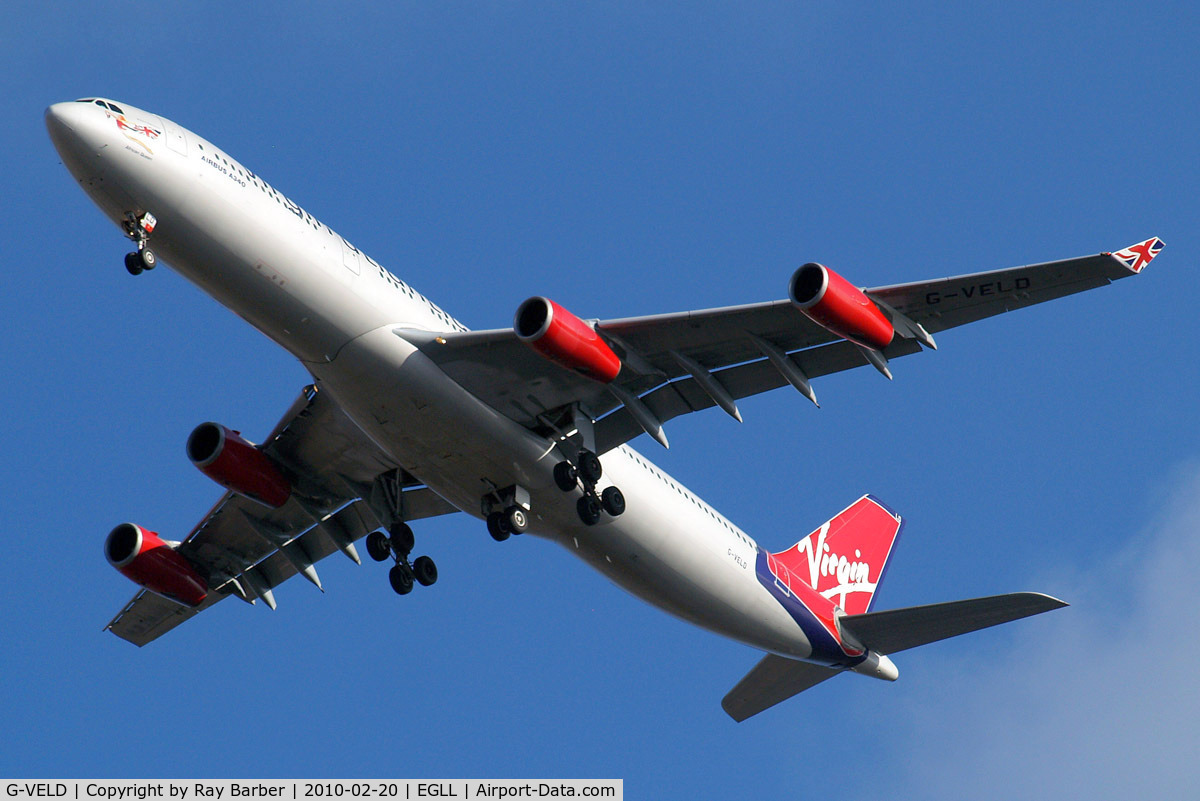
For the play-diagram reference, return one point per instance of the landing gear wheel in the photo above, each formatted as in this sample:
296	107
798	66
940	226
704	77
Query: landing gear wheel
589	467
424	570
496	526
566	476
402	539
401	578
613	501
377	546
138	227
516	519
589	509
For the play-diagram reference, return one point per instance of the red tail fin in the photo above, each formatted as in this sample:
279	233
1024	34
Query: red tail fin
844	559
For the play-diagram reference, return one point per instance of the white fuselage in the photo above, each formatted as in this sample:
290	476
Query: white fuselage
339	311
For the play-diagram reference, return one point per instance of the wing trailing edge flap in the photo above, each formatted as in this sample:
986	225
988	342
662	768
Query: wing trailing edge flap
148	616
900	629
741	381
350	524
773	680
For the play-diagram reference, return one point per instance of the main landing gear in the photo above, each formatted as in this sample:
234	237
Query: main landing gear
507	510
398	544
586	470
138	228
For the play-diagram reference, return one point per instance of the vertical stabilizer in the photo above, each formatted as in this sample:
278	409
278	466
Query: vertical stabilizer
844	560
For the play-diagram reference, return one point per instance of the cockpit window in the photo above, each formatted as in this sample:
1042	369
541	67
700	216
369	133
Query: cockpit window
85	100
104	104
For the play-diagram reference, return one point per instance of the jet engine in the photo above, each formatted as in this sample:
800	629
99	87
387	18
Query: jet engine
838	306
564	339
143	557
232	462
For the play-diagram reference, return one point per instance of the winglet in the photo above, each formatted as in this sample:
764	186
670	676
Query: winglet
1138	257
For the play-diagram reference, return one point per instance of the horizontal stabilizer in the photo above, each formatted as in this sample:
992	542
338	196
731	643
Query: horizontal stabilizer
900	629
773	679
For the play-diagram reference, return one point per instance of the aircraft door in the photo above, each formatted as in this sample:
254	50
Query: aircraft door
350	256
175	137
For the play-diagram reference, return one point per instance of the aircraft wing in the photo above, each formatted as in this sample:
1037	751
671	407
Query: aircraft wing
343	488
670	362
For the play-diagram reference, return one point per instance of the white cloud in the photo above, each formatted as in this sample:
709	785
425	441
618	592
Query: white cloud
1104	701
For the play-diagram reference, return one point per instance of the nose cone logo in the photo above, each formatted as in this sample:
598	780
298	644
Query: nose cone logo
137	132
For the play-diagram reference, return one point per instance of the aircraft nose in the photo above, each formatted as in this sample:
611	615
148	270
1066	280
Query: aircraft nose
74	131
79	136
59	119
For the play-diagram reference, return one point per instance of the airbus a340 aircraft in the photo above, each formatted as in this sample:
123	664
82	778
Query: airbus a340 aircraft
411	415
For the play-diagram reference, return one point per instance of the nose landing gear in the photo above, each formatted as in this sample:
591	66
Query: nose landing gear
138	228
397	544
506	512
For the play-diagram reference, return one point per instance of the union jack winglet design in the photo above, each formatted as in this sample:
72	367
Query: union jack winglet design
1136	257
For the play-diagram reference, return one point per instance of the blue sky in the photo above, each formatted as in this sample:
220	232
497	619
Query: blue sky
629	159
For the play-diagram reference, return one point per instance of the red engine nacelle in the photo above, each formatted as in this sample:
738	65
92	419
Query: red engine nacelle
836	305
141	556
232	462
564	339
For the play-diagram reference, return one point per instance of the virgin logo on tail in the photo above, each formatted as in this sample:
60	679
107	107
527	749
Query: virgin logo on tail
823	563
845	558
